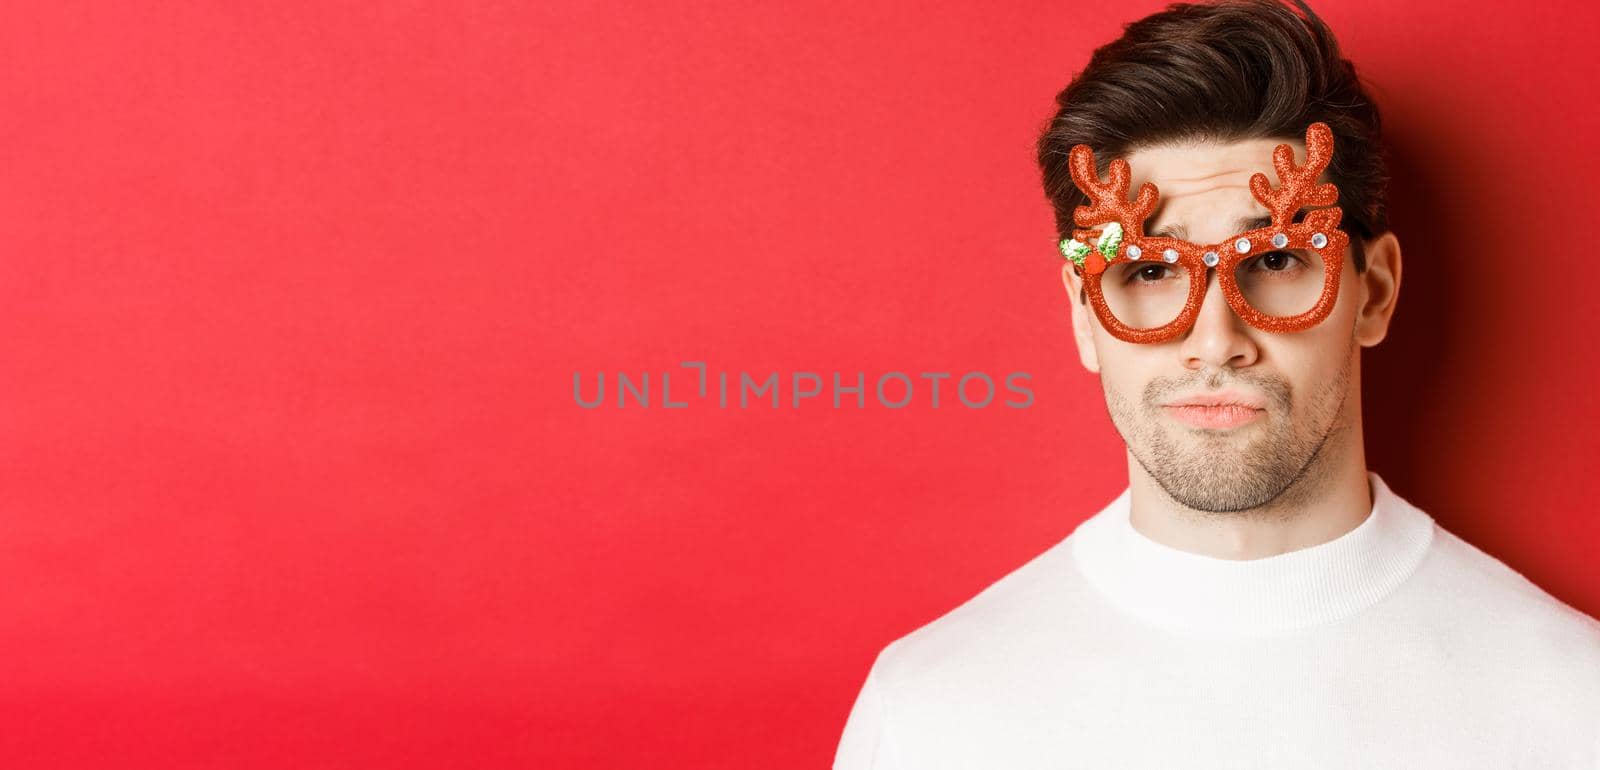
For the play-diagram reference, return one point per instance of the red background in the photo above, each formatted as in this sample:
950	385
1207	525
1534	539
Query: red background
294	293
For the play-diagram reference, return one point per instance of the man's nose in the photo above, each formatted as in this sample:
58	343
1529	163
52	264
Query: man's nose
1219	337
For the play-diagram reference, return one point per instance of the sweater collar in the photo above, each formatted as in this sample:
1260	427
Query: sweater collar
1198	595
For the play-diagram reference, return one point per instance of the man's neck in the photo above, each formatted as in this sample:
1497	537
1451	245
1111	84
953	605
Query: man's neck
1317	509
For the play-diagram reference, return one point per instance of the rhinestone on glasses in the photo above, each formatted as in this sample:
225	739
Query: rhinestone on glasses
1170	255
1242	245
1210	258
1319	240
1279	240
1133	251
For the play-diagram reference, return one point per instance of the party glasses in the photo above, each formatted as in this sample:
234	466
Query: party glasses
1283	277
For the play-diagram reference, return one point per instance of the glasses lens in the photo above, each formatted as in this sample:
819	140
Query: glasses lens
1145	294
1283	282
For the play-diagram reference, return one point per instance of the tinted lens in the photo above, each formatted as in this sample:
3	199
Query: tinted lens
1145	294
1282	282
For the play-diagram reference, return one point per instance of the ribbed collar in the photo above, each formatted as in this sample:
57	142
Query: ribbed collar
1200	595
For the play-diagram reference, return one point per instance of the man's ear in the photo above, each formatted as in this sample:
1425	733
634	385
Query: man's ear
1380	289
1081	331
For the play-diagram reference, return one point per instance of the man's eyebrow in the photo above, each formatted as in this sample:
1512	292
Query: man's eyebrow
1182	233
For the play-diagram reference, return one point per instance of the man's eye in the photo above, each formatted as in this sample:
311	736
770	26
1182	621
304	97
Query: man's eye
1149	273
1275	261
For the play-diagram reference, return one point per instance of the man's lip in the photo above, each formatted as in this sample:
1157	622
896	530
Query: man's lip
1223	417
1223	398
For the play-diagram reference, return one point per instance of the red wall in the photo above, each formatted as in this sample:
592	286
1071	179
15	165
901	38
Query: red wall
293	295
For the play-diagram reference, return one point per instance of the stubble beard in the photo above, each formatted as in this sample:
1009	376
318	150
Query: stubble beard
1268	467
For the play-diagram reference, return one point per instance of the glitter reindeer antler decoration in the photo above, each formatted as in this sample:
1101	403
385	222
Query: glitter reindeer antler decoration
1109	206
1298	187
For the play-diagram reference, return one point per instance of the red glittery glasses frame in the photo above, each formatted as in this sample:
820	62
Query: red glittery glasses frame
1298	187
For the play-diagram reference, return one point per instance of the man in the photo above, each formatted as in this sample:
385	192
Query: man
1256	597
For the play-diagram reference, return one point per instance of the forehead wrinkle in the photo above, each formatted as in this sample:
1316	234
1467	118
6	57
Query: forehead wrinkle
1182	233
1212	176
1190	190
1203	170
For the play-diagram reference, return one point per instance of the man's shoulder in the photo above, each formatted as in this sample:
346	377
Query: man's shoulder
1498	608
1475	576
1035	601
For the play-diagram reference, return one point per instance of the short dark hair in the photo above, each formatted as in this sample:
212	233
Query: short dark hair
1224	71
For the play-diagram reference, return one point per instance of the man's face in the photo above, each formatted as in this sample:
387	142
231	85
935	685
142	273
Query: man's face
1220	459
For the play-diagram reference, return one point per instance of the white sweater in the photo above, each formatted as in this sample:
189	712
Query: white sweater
1395	645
